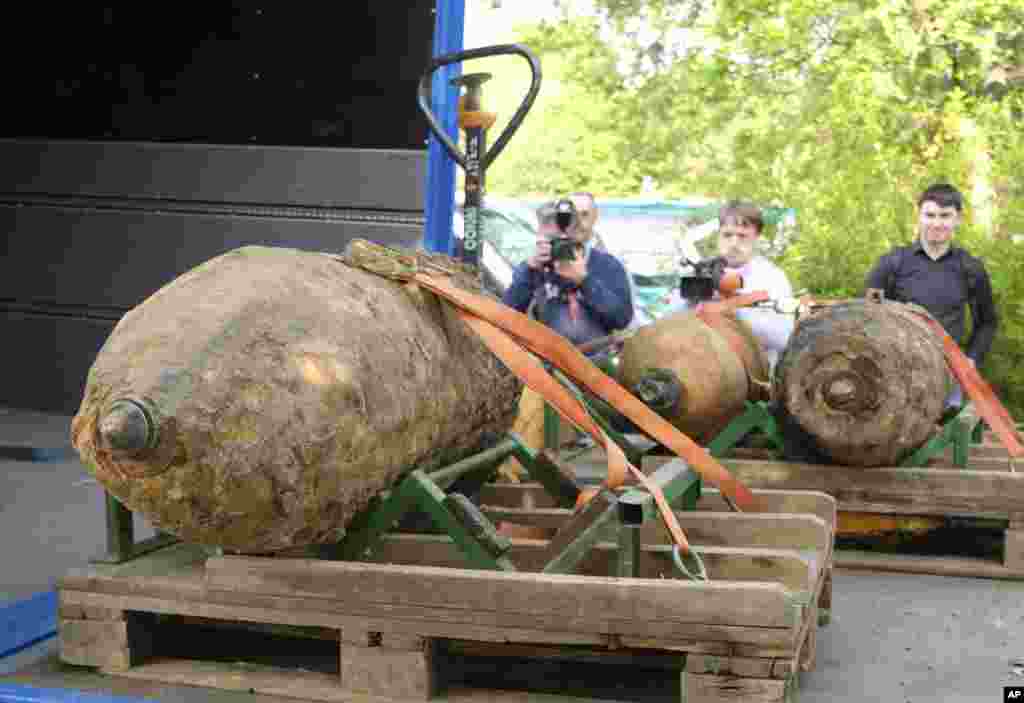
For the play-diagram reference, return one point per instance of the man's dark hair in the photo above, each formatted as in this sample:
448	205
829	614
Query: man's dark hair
743	211
943	195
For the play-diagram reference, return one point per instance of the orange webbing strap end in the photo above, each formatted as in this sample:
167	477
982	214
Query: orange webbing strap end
556	349
522	365
979	391
706	311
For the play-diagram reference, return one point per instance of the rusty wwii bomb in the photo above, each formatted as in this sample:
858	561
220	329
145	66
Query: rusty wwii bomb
260	400
865	381
694	372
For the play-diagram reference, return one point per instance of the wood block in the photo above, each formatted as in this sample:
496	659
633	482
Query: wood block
736	666
90	643
708	688
70	611
1013	556
92	612
379	671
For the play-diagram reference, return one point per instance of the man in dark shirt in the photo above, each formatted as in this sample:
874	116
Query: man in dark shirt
940	277
581	299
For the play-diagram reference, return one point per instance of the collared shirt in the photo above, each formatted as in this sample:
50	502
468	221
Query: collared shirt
942	287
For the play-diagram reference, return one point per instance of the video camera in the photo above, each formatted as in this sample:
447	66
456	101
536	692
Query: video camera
562	215
701	279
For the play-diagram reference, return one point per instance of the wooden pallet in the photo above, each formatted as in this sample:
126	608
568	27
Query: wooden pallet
989	489
395	627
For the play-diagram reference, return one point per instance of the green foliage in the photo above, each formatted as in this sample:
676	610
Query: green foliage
844	111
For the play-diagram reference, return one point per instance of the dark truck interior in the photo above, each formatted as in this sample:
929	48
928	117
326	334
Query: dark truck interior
140	142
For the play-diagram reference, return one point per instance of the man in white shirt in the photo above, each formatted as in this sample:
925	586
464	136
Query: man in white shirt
738	233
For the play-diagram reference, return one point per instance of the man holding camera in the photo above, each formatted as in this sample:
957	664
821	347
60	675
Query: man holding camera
579	291
740	226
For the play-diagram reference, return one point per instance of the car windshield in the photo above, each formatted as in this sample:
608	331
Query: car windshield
513	239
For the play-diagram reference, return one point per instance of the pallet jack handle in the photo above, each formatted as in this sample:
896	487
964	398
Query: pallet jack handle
450	146
475	122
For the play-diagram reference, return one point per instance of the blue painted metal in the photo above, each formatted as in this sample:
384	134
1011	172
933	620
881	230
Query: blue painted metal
25	622
449	23
16	693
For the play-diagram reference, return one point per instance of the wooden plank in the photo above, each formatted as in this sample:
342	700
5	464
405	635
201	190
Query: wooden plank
761	612
309	611
708	688
255	678
516	495
796	569
790	501
298	684
290	611
702	528
919	564
908	491
796	501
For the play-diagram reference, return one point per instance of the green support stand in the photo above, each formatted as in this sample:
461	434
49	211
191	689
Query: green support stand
756	417
121	544
454	514
594	407
611	517
959	431
607	517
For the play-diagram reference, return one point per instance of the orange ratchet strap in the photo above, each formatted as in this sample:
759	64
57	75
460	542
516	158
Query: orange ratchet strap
979	391
556	349
568	406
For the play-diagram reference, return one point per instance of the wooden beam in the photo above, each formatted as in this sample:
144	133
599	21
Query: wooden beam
533	495
773	530
907	491
299	612
971	567
750	612
797	570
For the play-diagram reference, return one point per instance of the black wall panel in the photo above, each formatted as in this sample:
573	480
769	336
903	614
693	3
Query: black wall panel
150	140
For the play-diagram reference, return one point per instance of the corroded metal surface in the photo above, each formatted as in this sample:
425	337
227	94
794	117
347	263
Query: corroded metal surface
865	380
261	399
694	367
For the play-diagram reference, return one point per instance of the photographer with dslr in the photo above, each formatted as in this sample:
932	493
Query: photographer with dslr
580	292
